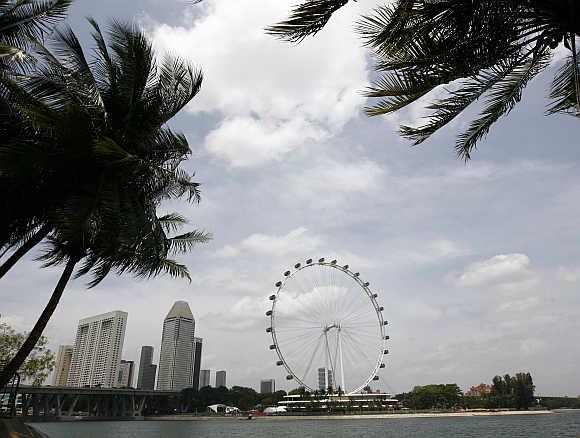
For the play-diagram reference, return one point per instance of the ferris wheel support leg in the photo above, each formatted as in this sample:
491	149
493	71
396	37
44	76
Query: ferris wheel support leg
326	382
343	388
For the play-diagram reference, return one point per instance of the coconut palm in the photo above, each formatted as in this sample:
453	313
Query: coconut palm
101	162
466	50
23	24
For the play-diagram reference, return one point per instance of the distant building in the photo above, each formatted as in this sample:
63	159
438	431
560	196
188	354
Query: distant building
62	365
197	344
125	376
204	378
478	391
220	379
97	350
176	358
147	371
267	386
325	379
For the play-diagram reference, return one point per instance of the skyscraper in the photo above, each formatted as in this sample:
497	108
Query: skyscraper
176	358
325	379
196	362
204	378
125	376
62	365
147	371
267	386
220	379
97	350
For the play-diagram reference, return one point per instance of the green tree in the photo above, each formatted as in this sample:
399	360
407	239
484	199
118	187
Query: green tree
102	161
444	396
486	50
39	362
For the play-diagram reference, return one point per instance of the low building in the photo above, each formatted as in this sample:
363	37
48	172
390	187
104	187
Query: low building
479	391
354	402
125	377
223	409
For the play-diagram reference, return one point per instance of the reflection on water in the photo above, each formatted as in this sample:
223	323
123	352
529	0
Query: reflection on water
550	425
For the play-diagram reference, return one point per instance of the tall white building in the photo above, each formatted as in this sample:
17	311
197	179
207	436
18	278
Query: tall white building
97	350
177	349
62	365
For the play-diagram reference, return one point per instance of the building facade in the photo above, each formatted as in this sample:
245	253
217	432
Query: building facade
267	386
177	349
204	378
125	376
97	350
325	379
220	379
62	365
198	342
147	371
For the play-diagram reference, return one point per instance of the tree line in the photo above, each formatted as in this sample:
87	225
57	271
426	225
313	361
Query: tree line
515	392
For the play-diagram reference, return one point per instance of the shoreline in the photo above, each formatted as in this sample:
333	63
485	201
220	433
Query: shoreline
351	416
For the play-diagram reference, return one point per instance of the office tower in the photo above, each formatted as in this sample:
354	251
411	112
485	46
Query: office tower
204	376
196	362
147	371
62	365
125	376
322	379
267	386
325	379
176	358
220	379
97	350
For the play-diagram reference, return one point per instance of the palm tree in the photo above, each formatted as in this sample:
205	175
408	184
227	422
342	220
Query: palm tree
468	50
102	160
23	24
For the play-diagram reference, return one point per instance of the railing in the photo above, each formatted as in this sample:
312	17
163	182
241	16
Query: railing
8	396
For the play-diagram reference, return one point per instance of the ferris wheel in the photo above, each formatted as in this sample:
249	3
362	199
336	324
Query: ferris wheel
327	327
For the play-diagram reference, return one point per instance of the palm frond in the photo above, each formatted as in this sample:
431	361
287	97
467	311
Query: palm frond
564	90
185	242
502	99
306	19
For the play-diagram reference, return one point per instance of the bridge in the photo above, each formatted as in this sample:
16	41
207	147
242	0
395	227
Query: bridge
47	401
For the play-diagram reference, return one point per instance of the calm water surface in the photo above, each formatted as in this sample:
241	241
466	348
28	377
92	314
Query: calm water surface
551	425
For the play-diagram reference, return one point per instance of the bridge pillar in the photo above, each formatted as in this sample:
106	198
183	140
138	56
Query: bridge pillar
72	406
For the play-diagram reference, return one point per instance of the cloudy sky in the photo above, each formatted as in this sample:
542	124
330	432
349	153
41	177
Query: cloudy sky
477	265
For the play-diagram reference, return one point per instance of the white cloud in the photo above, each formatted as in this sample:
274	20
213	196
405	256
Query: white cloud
296	240
570	275
349	177
299	92
246	141
505	270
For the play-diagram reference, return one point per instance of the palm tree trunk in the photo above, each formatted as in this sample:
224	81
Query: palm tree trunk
33	337
20	252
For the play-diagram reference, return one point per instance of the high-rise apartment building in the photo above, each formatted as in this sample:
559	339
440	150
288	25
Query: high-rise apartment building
97	350
267	386
125	376
176	357
197	343
62	365
325	379
204	378
147	371
220	379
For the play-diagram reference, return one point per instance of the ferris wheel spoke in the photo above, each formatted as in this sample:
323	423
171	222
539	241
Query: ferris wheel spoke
312	358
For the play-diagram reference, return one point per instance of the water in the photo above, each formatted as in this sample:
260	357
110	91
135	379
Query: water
565	424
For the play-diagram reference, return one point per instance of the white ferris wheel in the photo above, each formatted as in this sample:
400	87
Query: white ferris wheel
327	327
